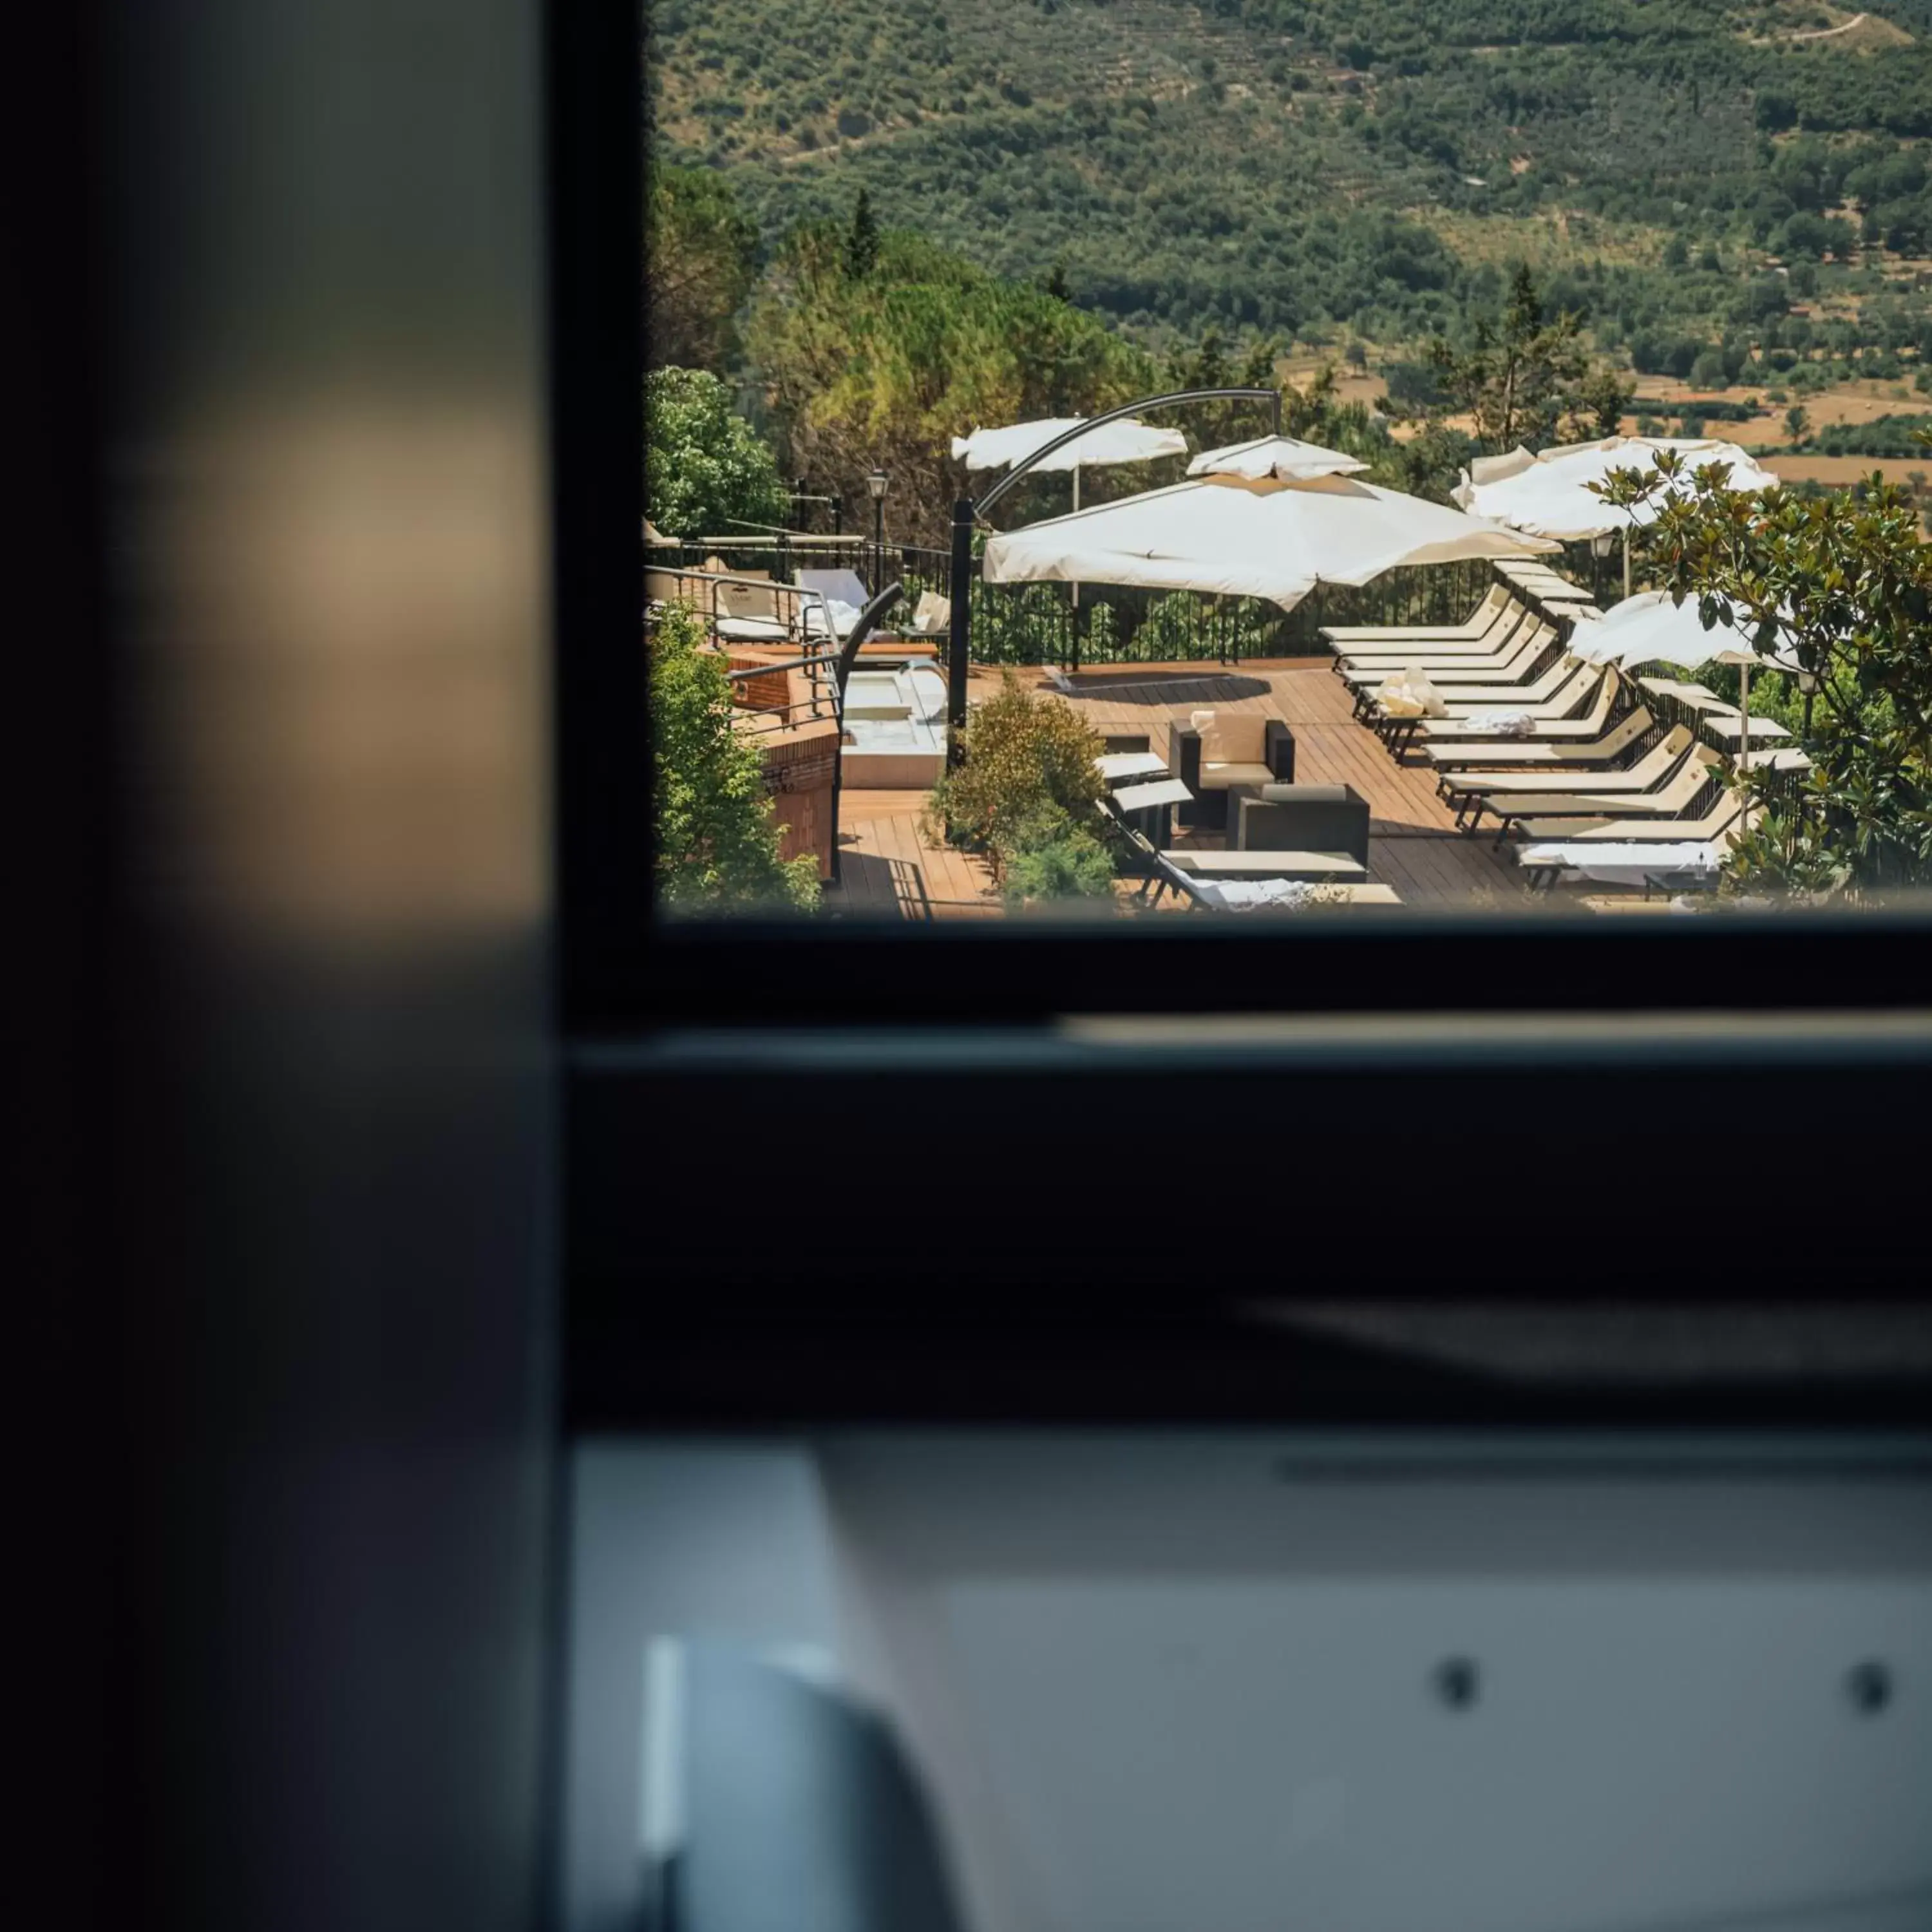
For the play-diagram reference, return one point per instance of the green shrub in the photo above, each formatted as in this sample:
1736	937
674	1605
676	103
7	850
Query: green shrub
1052	857
717	843
1018	755
704	466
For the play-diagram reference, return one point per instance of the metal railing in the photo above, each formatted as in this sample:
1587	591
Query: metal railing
824	696
783	553
821	700
717	598
1039	623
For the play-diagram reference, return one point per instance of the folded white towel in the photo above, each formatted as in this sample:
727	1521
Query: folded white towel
843	618
1504	724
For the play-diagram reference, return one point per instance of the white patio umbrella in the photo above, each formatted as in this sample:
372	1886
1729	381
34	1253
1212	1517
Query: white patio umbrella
1129	440
1652	627
1283	457
1547	492
1232	537
1126	441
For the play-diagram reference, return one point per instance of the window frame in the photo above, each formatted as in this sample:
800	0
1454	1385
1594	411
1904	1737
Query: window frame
626	969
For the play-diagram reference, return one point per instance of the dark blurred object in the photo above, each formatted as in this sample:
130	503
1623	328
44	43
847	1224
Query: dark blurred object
281	713
795	1810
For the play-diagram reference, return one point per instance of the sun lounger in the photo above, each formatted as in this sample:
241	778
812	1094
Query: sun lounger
1553	715
1495	791
1558	715
1565	676
1670	864
1498	601
1539	576
1517	656
1340	868
1508	638
1187	873
1493	637
1685	783
1458	762
1372	667
1538	653
1262	896
1719	817
1563	816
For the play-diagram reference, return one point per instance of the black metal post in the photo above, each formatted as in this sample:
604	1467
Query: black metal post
837	514
961	631
878	544
965	510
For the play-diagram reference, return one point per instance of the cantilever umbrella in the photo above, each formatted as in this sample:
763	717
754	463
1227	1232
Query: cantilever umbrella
1547	492
1651	627
1286	458
1128	440
1232	536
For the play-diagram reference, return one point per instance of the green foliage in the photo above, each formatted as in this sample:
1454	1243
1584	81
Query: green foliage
862	240
1844	584
1884	436
885	369
1786	855
704	466
1199	166
717	844
1020	756
1050	857
1518	377
699	251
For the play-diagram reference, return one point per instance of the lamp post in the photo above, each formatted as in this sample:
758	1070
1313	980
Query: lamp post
1600	548
1807	682
878	482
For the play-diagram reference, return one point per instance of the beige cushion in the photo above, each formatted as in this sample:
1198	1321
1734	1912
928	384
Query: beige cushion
1219	775
1244	736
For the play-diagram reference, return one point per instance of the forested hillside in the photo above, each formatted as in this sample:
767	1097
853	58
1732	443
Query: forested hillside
1317	169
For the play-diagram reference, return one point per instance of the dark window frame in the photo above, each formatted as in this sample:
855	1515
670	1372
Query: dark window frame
671	1040
625	970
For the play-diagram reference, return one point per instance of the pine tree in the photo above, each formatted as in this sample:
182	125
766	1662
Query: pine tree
862	240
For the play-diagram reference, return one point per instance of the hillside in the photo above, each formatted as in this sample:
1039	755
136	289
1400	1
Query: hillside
1309	170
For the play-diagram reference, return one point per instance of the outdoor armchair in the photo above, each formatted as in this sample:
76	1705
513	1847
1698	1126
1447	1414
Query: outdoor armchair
1227	747
1322	818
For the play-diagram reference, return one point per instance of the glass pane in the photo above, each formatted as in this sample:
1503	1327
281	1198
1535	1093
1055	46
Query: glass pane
1458	526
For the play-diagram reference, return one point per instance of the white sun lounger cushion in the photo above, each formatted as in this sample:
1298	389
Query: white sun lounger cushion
1242	895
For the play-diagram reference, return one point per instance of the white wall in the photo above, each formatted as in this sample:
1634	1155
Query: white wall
1155	1684
727	1541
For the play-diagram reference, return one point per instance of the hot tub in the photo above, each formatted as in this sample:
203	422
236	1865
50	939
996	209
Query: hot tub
895	727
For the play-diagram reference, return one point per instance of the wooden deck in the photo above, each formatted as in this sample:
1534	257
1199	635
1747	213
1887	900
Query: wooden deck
889	871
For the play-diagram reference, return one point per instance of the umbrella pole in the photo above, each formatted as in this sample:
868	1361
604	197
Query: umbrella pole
1744	705
1076	504
1627	531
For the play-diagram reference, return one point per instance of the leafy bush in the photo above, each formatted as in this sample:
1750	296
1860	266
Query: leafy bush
704	466
1050	857
1019	755
717	843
